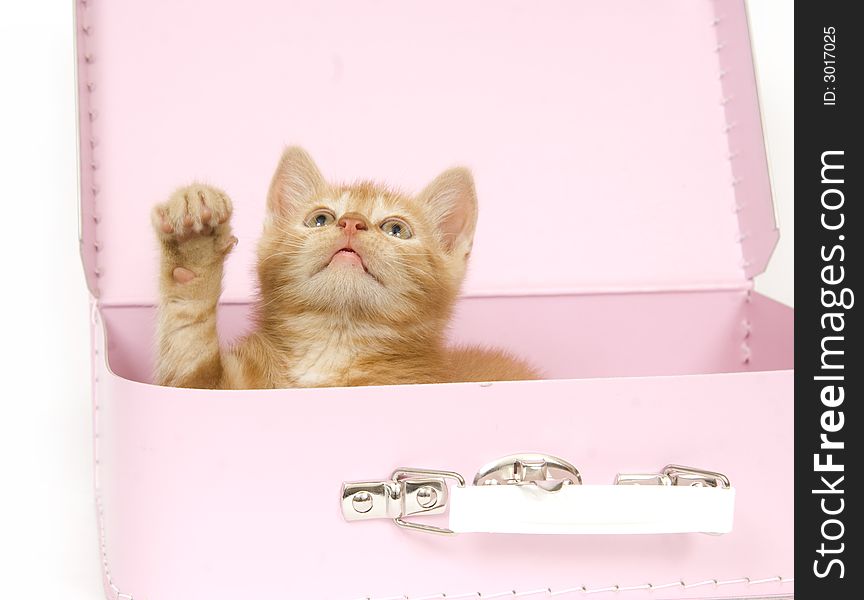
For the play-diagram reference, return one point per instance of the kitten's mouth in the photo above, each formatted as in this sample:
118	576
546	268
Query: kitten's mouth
349	257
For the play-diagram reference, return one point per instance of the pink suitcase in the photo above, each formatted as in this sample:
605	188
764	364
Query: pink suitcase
625	208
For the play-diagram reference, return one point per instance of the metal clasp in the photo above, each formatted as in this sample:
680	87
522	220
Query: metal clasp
544	471
676	475
408	492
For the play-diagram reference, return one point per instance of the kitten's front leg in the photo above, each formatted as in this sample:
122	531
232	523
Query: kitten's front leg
194	233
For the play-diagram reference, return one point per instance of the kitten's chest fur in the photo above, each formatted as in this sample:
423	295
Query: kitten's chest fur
321	361
318	352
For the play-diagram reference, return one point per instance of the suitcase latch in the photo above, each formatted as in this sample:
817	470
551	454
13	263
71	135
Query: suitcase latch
676	475
408	492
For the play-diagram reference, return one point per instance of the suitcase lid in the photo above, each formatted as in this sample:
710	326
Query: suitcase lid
615	145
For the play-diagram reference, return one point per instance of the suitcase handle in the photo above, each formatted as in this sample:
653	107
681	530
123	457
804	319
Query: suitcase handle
542	494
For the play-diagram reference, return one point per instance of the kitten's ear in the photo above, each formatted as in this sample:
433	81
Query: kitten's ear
453	203
297	180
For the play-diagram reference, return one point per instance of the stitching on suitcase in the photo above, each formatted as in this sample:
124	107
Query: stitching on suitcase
97	460
738	206
725	100
87	30
92	114
585	590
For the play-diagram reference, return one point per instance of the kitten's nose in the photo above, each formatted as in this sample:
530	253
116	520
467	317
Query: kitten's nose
352	222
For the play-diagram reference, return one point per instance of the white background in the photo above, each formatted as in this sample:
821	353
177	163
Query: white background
48	545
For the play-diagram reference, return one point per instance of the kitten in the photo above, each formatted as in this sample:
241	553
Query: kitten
356	285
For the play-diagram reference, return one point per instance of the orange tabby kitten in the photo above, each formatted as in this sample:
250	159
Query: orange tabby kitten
357	284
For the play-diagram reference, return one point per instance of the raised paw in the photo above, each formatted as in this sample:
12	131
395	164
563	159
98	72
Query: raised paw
191	212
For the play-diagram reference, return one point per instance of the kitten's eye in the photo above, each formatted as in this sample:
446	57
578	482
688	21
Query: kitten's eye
320	218
396	228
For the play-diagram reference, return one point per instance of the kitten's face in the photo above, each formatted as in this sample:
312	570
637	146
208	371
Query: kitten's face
365	249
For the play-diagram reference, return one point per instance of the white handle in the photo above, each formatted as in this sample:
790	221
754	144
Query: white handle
591	509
